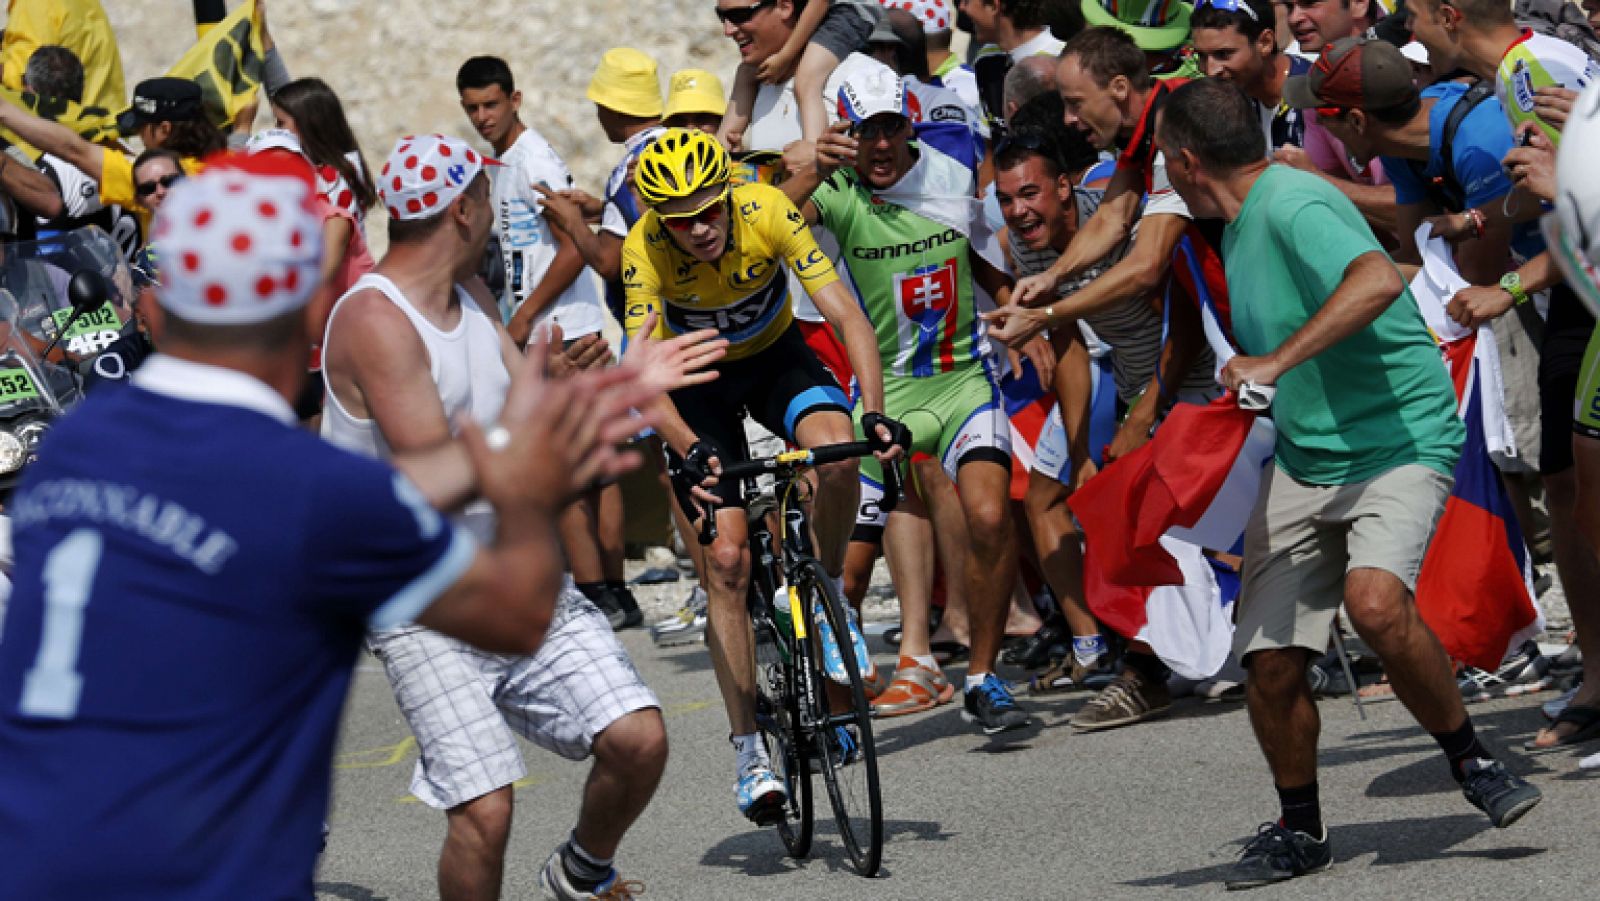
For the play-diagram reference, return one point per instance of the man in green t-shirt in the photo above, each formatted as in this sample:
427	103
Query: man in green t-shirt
1367	443
907	223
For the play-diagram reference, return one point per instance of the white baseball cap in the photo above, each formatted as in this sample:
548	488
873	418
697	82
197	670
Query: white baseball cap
424	173
241	242
274	139
870	90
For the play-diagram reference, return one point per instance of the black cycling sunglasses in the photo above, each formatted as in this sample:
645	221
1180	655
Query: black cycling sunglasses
878	127
165	181
741	15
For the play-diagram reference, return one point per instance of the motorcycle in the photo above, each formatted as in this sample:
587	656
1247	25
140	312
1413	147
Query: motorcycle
63	300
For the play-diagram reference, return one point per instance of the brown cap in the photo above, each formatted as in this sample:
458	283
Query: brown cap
1355	73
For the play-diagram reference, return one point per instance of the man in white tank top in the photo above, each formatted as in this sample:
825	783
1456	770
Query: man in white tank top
408	352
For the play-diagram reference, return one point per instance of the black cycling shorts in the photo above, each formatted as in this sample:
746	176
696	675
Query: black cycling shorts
1567	330
777	387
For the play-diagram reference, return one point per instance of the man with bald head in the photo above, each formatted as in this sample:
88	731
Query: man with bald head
1027	80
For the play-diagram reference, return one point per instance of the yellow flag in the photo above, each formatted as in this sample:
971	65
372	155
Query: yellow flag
92	122
227	64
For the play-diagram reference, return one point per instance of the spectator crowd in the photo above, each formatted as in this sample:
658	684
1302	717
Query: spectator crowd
1278	313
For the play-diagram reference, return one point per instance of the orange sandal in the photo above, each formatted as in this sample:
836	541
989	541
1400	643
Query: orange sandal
915	688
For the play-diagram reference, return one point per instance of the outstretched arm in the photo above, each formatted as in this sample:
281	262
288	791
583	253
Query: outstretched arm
53	138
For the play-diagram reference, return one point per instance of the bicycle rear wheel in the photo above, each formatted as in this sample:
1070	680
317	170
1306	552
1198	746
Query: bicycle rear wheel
778	720
842	742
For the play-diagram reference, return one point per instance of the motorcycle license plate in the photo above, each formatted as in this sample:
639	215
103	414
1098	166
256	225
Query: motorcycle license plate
16	384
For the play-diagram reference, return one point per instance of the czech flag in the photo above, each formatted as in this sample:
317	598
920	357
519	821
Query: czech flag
1476	590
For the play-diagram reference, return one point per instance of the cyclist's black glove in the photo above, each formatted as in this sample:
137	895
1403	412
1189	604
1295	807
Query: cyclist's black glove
697	462
899	435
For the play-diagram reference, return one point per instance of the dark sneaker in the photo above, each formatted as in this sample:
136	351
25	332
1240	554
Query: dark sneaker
627	607
1052	641
991	706
1127	700
1494	790
1276	854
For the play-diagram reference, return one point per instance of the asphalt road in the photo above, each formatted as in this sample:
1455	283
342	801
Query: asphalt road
1152	810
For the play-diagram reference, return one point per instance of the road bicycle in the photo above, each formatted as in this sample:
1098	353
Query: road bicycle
810	722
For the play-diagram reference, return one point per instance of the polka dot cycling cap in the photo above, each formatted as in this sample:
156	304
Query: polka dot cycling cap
933	14
425	172
241	242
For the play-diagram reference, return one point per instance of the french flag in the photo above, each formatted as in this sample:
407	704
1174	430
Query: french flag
1147	517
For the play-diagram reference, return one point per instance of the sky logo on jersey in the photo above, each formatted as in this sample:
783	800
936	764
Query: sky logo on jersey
739	321
928	298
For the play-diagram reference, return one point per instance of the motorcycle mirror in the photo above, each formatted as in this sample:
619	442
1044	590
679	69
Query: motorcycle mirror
87	291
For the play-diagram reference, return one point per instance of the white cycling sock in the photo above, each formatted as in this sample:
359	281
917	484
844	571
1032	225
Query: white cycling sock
752	750
974	680
927	661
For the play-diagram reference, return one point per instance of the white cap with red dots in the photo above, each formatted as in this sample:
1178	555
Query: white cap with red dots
933	14
425	172
241	242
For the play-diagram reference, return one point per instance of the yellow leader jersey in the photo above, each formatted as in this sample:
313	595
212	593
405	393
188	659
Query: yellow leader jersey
745	293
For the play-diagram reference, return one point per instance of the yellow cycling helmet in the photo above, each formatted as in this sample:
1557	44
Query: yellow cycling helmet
679	163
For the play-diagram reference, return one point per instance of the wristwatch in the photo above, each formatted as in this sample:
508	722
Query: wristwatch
1511	283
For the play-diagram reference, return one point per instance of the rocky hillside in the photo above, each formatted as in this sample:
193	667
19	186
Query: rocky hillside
393	62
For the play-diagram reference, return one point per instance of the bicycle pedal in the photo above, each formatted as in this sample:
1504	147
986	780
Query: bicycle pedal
770	811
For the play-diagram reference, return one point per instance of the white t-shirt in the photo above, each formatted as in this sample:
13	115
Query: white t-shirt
80	206
528	243
774	125
621	209
1042	44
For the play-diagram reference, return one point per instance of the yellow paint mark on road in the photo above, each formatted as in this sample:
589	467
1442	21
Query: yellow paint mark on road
375	758
686	707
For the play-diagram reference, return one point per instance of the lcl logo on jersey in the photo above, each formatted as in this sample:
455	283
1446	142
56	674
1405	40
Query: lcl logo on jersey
751	274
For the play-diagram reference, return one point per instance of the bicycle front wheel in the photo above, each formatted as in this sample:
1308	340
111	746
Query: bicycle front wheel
778	720
842	740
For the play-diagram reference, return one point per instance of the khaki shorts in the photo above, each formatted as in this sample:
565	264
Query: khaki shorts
1302	539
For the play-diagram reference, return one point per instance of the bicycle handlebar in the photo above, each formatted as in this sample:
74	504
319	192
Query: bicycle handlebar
817	456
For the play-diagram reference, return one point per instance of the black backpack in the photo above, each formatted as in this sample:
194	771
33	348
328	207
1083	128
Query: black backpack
1445	189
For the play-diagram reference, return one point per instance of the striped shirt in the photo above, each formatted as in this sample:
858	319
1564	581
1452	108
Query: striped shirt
1132	328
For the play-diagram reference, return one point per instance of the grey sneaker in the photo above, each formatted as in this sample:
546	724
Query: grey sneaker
1497	792
1276	854
685	626
557	886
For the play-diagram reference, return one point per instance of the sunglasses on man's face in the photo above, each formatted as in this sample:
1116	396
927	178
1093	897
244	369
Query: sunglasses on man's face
145	189
741	15
878	127
707	215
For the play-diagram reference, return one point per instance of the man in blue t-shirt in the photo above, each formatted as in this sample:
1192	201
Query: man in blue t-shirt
194	574
1383	115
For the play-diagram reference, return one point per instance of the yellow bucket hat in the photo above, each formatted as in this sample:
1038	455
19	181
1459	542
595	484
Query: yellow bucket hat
626	81
695	91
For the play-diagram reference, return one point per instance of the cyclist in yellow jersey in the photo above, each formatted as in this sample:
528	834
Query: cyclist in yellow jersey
707	254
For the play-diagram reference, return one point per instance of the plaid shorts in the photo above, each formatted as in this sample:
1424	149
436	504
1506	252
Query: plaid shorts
463	704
